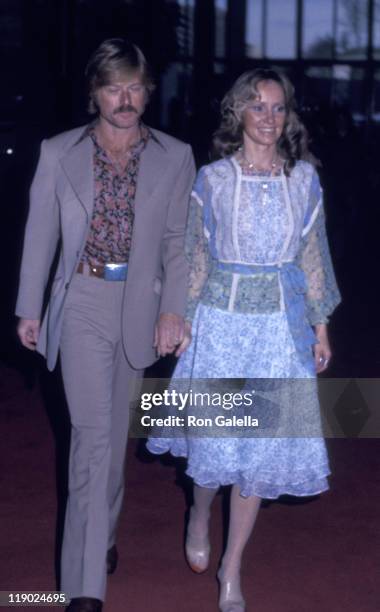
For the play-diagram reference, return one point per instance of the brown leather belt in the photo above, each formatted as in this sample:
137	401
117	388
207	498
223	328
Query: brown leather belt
109	272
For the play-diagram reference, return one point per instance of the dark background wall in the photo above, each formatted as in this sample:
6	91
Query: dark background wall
197	48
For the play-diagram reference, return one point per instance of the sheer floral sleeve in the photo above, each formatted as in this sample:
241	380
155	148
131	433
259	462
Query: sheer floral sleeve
314	258
197	244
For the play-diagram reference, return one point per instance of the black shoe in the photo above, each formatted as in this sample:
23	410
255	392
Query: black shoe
85	604
112	559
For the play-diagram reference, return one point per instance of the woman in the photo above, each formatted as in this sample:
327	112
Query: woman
260	280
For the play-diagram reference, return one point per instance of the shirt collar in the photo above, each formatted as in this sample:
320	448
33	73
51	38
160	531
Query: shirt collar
146	134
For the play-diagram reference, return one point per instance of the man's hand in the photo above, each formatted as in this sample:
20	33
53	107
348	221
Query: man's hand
322	351
28	331
169	333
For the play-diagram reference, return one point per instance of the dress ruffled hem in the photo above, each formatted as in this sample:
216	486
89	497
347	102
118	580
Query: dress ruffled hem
159	446
266	483
261	488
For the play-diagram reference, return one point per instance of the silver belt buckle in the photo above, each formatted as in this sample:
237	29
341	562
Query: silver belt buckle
115	271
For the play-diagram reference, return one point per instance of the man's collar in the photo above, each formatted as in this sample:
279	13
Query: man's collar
91	126
86	132
156	138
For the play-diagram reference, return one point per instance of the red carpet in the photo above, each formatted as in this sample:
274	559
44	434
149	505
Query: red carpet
321	555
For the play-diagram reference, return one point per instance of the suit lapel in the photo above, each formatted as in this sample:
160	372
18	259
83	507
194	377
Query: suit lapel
78	167
153	166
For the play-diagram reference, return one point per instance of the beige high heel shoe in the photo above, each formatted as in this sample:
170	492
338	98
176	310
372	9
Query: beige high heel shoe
197	550
230	595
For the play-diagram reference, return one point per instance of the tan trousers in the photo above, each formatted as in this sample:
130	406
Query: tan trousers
99	384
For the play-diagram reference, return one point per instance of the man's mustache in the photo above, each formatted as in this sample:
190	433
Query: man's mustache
125	108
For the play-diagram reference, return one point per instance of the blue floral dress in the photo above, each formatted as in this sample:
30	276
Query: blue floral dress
260	276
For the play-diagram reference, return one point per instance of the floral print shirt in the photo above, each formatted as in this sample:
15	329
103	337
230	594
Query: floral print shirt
110	236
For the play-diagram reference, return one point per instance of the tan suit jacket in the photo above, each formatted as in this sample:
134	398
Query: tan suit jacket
61	205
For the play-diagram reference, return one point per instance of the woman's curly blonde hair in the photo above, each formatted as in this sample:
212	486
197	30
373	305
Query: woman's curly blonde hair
293	143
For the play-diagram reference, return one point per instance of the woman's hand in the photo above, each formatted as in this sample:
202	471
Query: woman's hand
322	350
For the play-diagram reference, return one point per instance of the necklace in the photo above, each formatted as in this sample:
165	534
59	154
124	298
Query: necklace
251	164
264	185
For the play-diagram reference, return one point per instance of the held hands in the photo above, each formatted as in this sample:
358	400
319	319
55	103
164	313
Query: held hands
171	332
186	341
322	351
28	331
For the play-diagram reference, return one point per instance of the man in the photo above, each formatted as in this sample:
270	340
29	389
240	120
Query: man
114	196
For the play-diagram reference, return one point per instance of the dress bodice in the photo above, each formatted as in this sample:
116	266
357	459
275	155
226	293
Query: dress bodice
252	219
271	224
